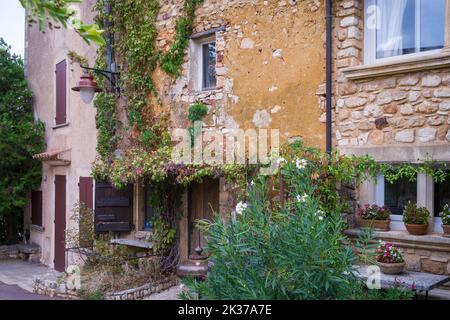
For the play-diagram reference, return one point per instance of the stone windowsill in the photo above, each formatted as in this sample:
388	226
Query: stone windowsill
418	63
432	241
62	125
133	243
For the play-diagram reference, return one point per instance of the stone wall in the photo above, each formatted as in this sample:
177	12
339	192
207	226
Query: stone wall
54	287
270	61
401	109
145	290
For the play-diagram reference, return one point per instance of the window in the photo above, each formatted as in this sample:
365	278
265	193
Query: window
441	196
400	27
152	203
61	93
209	65
202	59
397	194
423	191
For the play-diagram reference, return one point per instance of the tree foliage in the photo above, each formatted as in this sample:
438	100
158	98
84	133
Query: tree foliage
20	136
54	13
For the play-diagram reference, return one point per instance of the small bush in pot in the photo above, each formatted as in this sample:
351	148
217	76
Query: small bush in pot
415	219
373	216
445	217
389	258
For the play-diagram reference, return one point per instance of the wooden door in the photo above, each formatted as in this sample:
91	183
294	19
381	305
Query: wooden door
60	223
203	203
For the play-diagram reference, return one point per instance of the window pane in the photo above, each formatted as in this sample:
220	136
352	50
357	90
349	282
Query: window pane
151	206
397	194
209	65
398	29
441	196
432	26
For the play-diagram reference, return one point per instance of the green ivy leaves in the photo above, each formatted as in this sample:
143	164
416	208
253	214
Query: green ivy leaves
173	59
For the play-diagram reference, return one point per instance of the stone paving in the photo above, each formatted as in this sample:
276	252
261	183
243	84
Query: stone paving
22	274
170	294
14	292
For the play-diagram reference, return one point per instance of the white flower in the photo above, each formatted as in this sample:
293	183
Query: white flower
320	214
301	164
240	207
252	183
280	160
302	198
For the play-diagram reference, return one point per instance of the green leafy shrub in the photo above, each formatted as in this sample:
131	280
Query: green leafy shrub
197	111
415	215
163	236
295	252
445	215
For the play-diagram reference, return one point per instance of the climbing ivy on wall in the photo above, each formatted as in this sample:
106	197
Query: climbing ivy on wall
149	151
173	59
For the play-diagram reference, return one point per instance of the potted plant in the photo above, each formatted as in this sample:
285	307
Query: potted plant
415	219
373	216
445	217
389	258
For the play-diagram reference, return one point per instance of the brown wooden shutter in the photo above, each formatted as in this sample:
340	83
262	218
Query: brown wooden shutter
86	186
113	208
36	208
61	92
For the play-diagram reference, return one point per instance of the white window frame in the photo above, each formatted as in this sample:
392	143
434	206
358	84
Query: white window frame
370	39
196	62
425	198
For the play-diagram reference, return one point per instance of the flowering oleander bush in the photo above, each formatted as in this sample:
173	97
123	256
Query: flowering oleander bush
415	215
445	215
388	253
374	212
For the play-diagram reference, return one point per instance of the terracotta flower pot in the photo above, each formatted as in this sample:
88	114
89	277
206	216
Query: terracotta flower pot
382	225
446	228
392	268
416	229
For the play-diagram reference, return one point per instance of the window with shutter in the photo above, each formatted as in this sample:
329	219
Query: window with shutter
61	93
113	208
36	208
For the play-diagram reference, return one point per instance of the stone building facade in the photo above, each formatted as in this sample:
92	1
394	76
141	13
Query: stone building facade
269	62
394	107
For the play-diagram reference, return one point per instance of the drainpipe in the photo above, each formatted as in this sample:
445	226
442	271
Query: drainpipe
328	76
